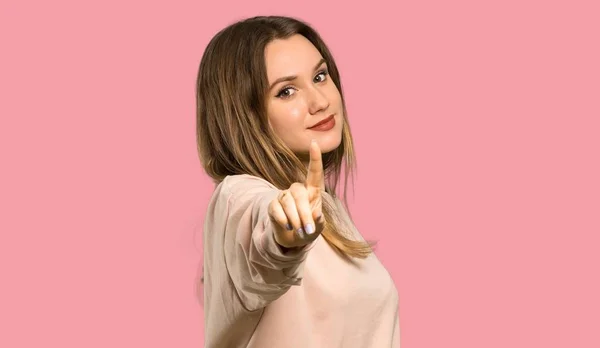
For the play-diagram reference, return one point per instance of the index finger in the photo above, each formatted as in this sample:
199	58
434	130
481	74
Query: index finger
315	176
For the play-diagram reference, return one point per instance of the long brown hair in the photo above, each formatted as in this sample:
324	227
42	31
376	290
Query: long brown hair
233	132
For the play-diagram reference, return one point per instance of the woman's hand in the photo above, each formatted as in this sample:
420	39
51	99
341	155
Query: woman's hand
296	212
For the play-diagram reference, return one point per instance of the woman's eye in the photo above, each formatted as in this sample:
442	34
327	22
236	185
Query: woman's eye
289	91
323	76
286	92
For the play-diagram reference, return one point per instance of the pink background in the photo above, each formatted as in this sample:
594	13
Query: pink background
477	131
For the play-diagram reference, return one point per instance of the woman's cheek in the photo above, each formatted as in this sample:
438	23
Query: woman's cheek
295	113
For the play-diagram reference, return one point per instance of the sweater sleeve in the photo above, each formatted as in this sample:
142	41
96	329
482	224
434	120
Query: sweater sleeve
258	267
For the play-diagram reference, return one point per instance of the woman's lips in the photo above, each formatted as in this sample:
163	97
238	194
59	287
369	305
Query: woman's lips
324	125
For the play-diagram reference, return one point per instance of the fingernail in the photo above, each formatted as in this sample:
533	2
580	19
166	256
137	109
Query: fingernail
309	228
300	232
289	227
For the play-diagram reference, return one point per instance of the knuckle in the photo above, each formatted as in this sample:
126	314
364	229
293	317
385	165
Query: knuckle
273	206
296	187
287	202
299	191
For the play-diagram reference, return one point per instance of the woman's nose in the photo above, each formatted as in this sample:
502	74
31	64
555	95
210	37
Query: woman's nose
317	100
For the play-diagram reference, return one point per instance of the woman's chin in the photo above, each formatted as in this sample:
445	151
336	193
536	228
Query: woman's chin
329	144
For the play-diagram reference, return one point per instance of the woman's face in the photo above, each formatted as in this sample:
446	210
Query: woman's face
302	95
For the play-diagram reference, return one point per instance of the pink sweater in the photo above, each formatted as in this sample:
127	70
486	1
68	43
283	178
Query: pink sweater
257	296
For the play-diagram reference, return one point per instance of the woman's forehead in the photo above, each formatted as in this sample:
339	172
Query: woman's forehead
292	56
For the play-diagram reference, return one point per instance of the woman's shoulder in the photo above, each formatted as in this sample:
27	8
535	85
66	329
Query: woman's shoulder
241	182
242	186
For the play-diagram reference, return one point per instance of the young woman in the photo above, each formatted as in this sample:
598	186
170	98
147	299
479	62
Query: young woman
284	265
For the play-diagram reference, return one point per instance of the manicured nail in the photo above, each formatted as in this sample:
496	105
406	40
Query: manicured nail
300	232
309	228
289	227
